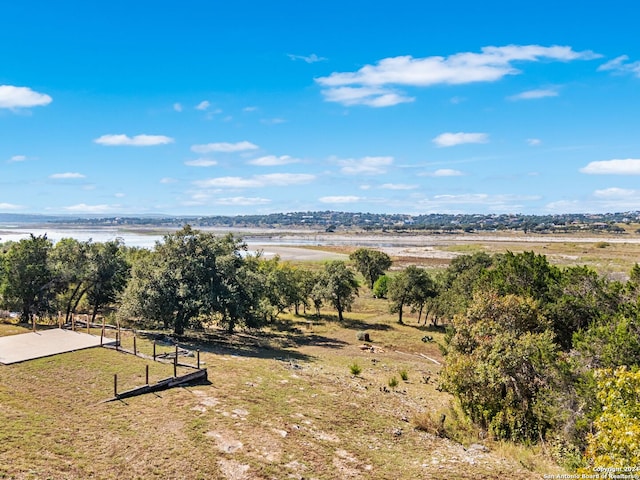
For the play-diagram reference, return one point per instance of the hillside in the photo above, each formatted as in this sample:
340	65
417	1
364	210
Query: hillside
282	404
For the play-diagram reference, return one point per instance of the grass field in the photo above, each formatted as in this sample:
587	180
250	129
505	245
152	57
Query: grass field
282	403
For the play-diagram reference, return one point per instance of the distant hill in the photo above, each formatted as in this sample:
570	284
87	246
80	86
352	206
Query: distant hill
333	221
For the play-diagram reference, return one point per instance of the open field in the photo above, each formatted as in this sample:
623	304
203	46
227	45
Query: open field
280	404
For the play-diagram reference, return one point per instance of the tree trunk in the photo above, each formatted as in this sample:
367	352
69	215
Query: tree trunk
400	314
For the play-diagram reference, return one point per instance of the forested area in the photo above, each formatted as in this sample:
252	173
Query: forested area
534	353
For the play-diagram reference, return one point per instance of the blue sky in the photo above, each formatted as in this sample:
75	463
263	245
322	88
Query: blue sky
248	107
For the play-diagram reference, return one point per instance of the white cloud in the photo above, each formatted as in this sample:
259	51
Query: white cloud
224	147
257	181
534	142
618	65
272	160
203	105
340	199
249	109
84	208
67	175
443	172
369	96
451	139
242	201
177	107
498	203
136	141
22	97
167	180
313	58
17	158
201	162
119	195
10	206
615	192
534	94
630	166
398	186
365	165
490	65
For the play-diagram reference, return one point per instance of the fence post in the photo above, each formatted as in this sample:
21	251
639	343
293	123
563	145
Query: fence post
135	349
117	340
88	324
34	322
154	350
198	355
175	366
147	374
115	384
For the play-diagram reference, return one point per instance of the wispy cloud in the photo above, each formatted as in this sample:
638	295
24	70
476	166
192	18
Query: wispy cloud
84	208
452	139
340	199
369	96
620	65
201	162
534	94
313	58
365	165
398	186
257	181
17	158
242	201
224	147
10	206
67	175
629	166
615	192
177	107
136	141
22	97
371	85
168	180
443	172
203	105
272	161
534	142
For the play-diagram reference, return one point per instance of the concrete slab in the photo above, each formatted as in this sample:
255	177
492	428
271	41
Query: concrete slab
27	346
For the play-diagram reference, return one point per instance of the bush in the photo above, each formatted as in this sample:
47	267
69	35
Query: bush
404	375
393	382
355	368
425	422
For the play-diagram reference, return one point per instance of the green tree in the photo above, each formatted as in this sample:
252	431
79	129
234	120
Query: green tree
108	275
381	287
192	274
370	263
504	367
69	261
339	286
28	280
411	287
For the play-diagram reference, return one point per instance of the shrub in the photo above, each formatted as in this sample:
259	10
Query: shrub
426	423
404	375
393	382
355	368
